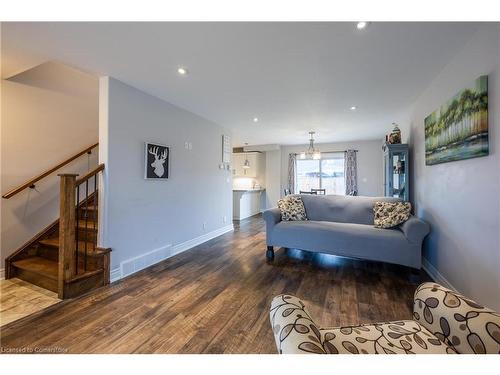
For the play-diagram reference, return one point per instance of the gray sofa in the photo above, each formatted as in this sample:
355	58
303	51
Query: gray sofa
343	225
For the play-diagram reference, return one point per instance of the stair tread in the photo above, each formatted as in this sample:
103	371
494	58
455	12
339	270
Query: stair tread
89	208
89	224
54	242
48	268
39	265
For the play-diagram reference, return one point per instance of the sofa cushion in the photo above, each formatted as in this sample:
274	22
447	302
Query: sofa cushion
292	208
390	214
345	239
342	209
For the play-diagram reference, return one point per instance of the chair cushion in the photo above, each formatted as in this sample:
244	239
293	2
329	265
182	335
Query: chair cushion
400	337
456	320
295	332
292	208
389	215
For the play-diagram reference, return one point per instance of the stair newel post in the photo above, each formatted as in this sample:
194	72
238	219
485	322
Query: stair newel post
67	228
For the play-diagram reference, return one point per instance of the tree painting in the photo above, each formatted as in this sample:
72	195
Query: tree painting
459	128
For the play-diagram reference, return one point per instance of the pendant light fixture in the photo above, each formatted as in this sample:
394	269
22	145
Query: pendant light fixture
246	164
311	153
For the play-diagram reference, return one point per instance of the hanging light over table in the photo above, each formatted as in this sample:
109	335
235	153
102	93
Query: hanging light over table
311	153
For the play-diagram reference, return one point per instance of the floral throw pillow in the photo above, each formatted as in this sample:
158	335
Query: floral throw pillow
292	208
388	215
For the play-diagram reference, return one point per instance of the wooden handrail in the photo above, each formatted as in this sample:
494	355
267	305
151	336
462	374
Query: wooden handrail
32	182
93	172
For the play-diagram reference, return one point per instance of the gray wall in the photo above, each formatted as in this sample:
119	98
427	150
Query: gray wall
143	215
370	163
461	199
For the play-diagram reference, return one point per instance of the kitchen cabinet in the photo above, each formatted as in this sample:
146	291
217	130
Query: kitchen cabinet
246	203
239	161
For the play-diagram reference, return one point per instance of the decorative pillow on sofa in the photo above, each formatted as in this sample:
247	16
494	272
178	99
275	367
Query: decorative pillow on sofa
292	208
388	215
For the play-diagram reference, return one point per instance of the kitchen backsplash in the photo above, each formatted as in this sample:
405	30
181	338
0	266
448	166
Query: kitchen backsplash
241	183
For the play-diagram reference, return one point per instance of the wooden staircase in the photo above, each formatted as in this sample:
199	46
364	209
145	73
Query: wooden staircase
64	257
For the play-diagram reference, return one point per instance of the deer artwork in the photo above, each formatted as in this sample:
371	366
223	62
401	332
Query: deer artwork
159	170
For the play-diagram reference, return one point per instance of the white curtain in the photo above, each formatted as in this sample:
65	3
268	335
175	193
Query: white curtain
351	172
292	163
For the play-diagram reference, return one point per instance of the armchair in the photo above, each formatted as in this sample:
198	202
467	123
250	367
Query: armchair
444	322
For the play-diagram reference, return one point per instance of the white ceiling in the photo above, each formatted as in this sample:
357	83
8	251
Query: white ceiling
294	77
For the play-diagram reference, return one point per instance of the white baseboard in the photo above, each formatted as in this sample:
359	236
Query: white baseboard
436	275
2	273
142	261
115	274
179	248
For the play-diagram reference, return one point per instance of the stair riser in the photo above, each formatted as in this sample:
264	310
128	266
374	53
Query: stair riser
87	235
77	288
93	263
35	278
50	253
90	214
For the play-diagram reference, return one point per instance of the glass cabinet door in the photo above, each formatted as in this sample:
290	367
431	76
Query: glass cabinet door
398	171
396	178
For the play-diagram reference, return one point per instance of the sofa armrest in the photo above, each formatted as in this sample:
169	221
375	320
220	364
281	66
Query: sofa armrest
294	330
415	229
272	217
457	321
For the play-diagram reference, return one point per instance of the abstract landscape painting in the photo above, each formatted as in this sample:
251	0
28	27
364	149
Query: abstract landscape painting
459	128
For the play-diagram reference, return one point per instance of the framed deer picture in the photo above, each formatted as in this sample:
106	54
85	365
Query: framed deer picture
156	161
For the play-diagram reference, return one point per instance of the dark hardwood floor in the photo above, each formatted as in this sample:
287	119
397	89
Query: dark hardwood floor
215	299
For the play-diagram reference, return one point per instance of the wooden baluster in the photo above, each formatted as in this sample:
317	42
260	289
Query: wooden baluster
67	227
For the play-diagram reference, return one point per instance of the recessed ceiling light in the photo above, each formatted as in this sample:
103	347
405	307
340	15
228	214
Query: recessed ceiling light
255	119
353	108
361	25
182	71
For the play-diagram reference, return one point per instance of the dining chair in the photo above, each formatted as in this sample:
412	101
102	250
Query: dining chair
319	191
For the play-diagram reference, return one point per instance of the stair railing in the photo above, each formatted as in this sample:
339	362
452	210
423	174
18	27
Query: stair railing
77	198
31	182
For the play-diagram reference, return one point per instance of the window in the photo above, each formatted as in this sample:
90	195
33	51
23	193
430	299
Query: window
327	173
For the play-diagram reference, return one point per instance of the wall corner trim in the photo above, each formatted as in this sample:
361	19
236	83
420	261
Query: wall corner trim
436	275
115	274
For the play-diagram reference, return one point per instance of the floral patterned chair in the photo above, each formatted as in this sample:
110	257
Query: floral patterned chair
444	322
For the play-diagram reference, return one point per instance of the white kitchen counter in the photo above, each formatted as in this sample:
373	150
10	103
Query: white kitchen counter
246	202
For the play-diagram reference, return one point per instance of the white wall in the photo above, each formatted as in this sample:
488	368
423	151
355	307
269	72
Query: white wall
461	199
49	113
369	157
144	215
273	178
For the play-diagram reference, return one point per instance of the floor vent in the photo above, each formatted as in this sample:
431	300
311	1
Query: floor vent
133	265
